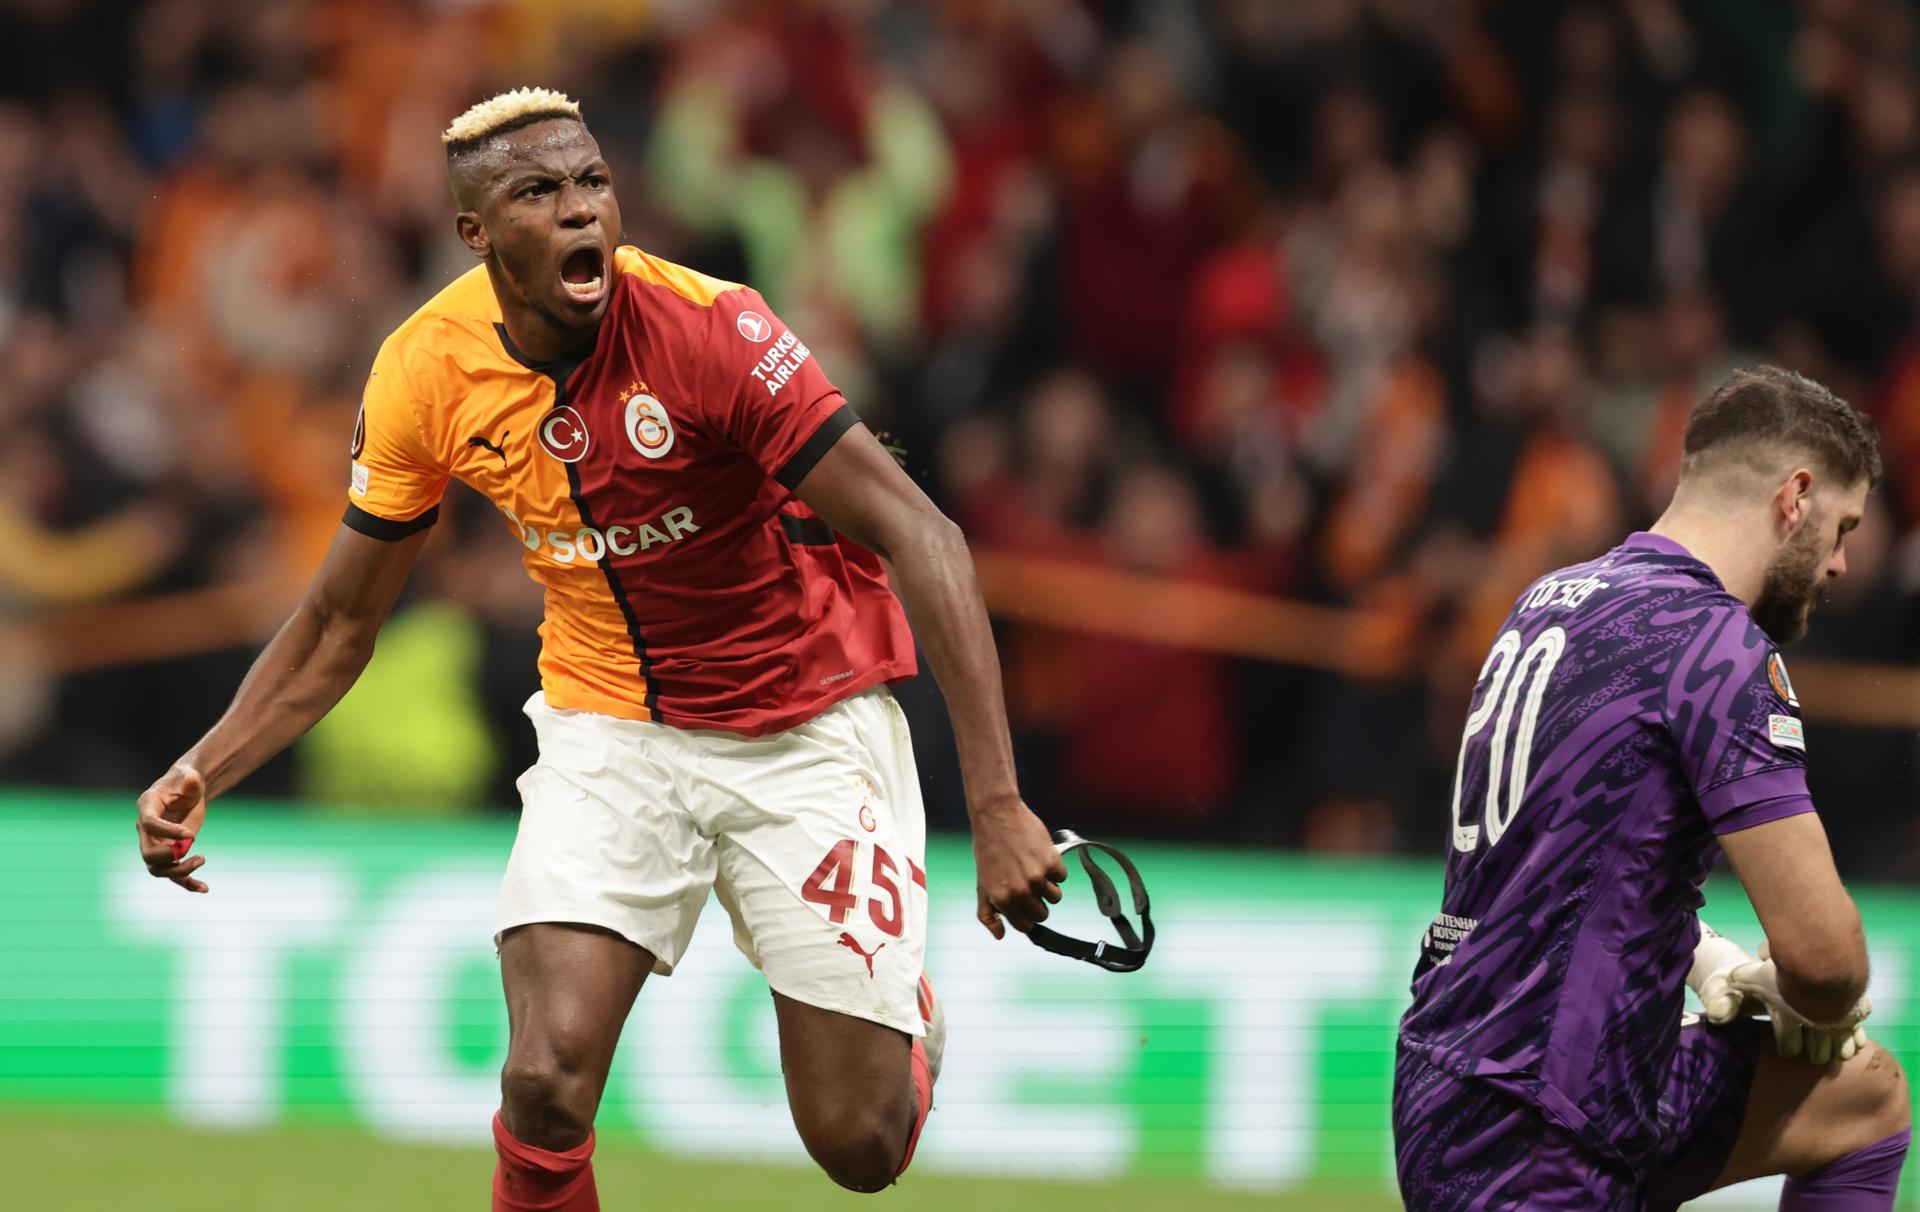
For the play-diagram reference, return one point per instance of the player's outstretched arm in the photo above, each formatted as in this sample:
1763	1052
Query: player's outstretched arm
304	670
862	493
1813	931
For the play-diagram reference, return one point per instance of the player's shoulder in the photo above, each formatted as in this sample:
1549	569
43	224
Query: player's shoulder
1678	588
463	313
1717	629
661	281
1642	572
1660	589
706	325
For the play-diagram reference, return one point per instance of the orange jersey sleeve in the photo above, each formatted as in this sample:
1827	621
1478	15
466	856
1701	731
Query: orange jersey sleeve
396	482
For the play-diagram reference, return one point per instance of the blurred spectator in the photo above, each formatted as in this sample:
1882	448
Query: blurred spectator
1152	741
1383	305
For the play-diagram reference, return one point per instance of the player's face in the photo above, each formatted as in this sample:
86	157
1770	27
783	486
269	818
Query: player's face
1812	556
552	219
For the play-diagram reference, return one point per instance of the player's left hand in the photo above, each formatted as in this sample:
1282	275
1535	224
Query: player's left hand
1794	1034
1017	868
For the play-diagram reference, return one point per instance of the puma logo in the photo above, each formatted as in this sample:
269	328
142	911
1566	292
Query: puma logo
853	944
480	441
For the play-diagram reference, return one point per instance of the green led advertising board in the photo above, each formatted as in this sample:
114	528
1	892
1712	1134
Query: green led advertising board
342	971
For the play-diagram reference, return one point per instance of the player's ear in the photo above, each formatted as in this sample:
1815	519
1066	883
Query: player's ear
473	234
1794	500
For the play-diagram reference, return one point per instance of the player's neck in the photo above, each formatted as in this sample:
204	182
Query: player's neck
540	341
1722	538
538	336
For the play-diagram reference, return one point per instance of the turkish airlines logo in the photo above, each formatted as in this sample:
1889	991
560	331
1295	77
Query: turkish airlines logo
564	435
649	427
754	327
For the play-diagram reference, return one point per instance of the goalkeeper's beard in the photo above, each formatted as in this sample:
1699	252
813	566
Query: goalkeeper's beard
1793	584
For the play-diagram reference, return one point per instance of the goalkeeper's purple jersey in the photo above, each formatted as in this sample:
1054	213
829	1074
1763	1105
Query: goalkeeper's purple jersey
1630	710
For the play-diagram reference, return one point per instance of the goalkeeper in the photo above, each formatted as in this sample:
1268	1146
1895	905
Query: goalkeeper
1634	720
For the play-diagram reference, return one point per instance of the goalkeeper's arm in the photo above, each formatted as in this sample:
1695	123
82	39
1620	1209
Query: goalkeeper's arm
1813	930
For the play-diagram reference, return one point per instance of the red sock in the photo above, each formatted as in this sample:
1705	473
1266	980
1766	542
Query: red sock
923	1089
539	1180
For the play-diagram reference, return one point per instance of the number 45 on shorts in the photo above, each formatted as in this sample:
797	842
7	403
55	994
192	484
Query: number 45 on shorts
831	885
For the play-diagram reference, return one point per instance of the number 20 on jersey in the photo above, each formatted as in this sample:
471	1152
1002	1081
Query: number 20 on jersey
1512	684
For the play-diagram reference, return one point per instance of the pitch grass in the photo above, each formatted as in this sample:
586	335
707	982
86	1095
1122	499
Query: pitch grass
88	1165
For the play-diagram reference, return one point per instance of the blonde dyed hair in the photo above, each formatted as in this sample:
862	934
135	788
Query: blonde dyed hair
507	111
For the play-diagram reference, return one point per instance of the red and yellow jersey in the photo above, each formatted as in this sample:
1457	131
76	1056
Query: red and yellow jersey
651	485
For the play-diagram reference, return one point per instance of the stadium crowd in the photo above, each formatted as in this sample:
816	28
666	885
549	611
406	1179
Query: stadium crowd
1385	305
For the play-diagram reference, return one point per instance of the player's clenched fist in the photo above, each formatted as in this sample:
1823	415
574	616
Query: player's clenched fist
171	812
1017	867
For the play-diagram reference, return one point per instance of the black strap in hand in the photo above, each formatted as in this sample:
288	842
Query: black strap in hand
1131	954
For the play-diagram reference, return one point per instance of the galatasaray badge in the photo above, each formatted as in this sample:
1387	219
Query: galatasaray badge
648	426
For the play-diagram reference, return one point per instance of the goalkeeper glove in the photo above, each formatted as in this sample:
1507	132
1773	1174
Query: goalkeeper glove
1793	1033
1733	984
1714	959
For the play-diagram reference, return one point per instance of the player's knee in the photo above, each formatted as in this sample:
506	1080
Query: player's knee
1884	1092
859	1149
1865	1099
545	1105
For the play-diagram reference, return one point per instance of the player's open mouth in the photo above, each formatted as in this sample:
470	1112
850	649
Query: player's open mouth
583	275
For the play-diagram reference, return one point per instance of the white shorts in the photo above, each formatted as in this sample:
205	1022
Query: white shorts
813	838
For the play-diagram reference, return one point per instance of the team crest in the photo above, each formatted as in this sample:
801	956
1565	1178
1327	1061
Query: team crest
648	426
563	435
1782	685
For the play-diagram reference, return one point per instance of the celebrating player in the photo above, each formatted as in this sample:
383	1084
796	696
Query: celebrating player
1633	719
708	519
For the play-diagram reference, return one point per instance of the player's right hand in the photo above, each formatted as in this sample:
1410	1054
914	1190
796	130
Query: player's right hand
1017	867
1714	960
170	815
1793	1033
